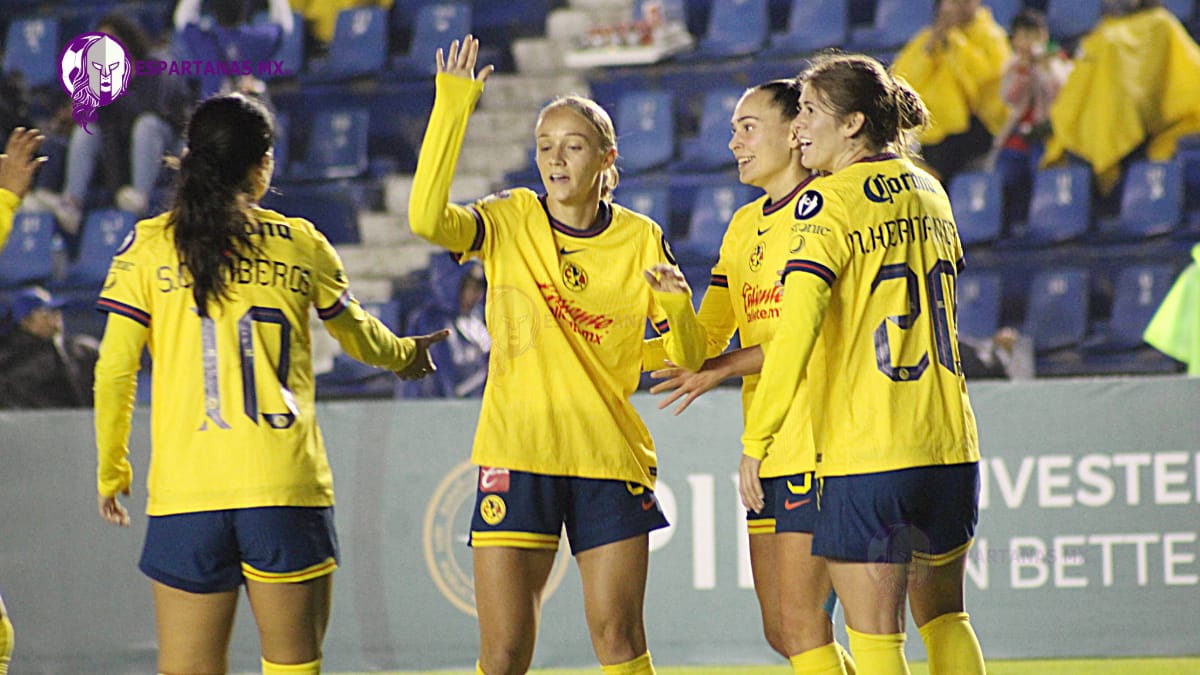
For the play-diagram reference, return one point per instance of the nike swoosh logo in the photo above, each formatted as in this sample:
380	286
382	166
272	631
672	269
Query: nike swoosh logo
648	504
793	505
565	251
762	232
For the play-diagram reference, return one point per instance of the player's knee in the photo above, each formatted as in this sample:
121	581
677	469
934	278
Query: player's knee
505	659
618	640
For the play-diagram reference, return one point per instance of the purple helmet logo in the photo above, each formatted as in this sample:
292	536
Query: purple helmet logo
94	70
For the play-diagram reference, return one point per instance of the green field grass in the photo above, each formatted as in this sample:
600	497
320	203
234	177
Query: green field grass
1181	666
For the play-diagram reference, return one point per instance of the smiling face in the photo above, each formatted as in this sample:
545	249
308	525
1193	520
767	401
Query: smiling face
827	143
764	144
571	157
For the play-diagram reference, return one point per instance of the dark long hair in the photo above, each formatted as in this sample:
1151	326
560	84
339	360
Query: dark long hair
227	137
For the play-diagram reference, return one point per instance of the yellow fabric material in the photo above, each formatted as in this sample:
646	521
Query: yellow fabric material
322	14
878	654
639	666
1175	327
233	423
567	312
960	79
310	668
8	208
952	645
479	669
824	660
847	660
874	285
1134	81
6	643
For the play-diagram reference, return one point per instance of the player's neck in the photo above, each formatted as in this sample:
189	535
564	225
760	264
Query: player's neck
577	216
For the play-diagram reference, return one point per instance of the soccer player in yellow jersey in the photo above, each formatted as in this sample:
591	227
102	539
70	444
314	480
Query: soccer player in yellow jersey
869	316
778	489
239	489
17	166
558	441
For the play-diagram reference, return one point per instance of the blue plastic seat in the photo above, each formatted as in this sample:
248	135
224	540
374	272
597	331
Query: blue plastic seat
336	147
1137	292
645	125
979	295
1184	10
1056	308
283	129
291	47
1003	11
1070	19
977	199
712	209
1151	202
359	46
894	24
332	208
735	28
437	25
652	201
104	230
1061	206
812	25
709	150
26	258
31	48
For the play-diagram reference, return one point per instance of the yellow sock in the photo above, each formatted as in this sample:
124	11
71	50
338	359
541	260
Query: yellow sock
310	668
847	660
639	666
479	669
878	654
824	660
952	645
6	642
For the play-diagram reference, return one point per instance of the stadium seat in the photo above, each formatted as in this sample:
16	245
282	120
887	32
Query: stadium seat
894	24
652	201
291	49
1151	202
359	46
978	209
1003	11
735	28
979	295
645	125
1070	19
332	208
31	48
1060	208
709	150
27	259
1056	308
437	25
812	25
103	232
712	209
283	122
1184	10
336	147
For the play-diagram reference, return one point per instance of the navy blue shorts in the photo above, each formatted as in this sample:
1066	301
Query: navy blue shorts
215	551
518	509
926	513
789	505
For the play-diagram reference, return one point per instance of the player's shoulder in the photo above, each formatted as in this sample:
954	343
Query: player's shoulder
146	238
517	198
274	222
627	219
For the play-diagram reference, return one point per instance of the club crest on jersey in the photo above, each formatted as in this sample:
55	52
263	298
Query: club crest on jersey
756	257
809	204
493	509
574	277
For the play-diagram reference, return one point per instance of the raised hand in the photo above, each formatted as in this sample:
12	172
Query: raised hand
461	59
422	363
18	163
666	279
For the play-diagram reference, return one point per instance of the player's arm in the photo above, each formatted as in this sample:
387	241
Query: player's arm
717	318
17	166
430	213
683	337
115	390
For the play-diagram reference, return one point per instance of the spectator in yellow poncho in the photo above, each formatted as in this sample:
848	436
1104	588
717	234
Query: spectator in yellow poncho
321	15
1136	80
956	65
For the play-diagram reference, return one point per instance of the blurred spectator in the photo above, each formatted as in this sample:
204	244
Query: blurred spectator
1006	355
1030	84
321	15
130	137
1175	328
40	367
1134	83
463	357
229	36
956	65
